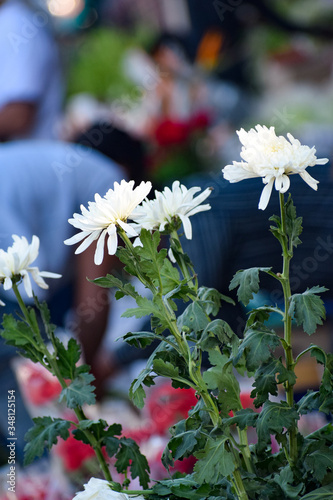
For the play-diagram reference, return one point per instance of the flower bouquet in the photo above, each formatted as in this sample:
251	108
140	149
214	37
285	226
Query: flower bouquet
281	463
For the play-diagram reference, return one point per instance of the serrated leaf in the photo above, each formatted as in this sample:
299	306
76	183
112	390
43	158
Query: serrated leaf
129	455
293	223
215	461
309	402
165	369
284	479
324	493
318	353
182	444
16	333
247	281
169	276
193	318
210	299
261	314
110	281
273	419
266	379
139	339
258	345
308	309
44	434
67	357
146	307
319	462
221	377
243	418
136	392
79	391
218	333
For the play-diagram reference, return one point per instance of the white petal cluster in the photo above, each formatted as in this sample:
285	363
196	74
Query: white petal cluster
168	204
16	262
99	489
273	158
104	215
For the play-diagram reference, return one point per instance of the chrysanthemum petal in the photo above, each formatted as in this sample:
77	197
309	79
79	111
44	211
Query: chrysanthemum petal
99	252
313	183
85	244
265	195
272	157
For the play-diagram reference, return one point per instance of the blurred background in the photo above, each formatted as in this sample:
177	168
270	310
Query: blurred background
172	80
182	75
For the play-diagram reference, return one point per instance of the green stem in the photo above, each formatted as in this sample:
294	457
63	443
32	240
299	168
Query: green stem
244	443
137	492
290	364
182	263
184	350
53	368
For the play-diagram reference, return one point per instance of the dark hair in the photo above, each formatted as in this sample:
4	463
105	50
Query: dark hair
117	145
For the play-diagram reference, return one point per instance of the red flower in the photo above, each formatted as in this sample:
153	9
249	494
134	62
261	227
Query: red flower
169	132
167	406
74	453
40	387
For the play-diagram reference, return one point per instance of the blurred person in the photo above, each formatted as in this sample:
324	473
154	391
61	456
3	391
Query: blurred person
43	184
117	144
31	89
236	235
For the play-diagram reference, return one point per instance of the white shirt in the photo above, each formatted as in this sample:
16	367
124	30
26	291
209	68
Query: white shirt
42	184
29	65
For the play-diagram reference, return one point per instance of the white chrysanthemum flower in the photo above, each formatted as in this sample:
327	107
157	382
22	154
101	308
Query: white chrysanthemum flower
99	489
168	204
17	262
104	215
273	158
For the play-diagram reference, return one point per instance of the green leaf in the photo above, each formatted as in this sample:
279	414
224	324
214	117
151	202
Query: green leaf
308	309
67	357
193	318
309	402
273	419
319	462
247	282
79	391
243	418
16	333
165	368
284	479
44	434
148	307
110	281
129	455
211	300
218	332
215	461
222	377
136	392
258	344
183	444
293	223
139	339
324	493
169	276
266	379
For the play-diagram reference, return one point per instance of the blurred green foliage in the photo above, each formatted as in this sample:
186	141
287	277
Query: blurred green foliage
96	66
